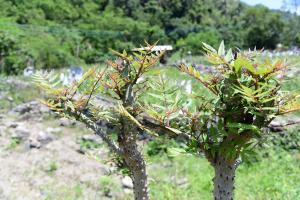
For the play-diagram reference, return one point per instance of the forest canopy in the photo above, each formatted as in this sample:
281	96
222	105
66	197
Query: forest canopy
59	33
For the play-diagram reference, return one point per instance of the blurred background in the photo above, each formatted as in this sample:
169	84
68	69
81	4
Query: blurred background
43	156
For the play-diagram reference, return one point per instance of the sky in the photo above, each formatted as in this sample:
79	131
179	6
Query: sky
273	4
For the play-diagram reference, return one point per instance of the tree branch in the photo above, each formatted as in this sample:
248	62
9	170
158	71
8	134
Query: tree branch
98	131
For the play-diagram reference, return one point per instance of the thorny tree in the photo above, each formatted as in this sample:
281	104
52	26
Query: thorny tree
122	80
245	96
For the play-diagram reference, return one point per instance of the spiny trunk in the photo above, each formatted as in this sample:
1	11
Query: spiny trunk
134	161
224	179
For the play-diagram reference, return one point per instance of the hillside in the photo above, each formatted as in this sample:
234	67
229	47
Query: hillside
54	34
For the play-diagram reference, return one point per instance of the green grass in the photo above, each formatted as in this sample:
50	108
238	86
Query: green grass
72	192
14	143
275	177
14	95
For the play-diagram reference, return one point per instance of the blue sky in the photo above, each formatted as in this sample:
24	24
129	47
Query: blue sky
273	4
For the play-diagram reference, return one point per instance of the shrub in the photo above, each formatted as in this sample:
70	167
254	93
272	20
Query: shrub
122	82
245	96
193	42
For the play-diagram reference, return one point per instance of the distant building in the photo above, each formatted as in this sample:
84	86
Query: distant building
75	73
157	48
28	71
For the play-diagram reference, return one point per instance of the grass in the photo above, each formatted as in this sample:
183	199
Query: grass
275	177
14	143
11	95
106	184
52	168
72	192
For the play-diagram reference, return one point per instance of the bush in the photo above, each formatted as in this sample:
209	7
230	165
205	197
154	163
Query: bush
193	42
288	140
160	146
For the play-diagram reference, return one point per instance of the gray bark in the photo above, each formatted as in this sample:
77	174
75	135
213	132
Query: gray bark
224	179
134	161
128	150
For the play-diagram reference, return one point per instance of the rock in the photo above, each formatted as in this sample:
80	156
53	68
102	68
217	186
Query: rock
32	107
17	83
183	182
127	182
13	125
88	178
20	133
276	128
41	138
292	121
9	98
180	181
275	123
280	124
127	191
66	122
2	130
92	138
53	130
44	137
24	108
34	143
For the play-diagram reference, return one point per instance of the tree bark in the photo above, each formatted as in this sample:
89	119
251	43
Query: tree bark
134	160
224	178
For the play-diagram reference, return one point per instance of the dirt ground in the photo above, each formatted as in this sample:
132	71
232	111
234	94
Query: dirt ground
42	158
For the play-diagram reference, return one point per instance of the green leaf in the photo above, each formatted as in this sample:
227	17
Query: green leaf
156	96
268	100
229	56
209	48
244	127
221	51
243	62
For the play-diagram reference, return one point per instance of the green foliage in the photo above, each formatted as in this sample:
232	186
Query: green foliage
262	27
14	143
163	99
288	140
52	168
117	81
160	146
49	34
246	97
106	185
193	42
86	145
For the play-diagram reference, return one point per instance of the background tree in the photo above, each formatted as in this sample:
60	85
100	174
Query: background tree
262	27
290	35
123	82
191	42
83	31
